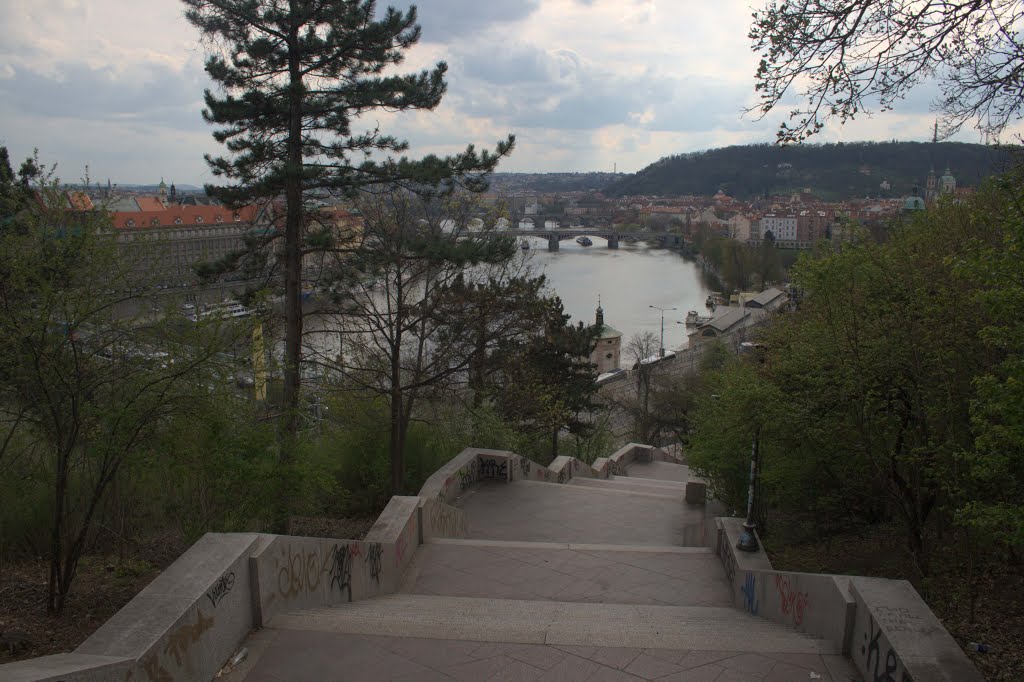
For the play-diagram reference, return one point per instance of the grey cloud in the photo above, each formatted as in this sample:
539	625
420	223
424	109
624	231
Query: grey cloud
153	94
444	20
533	88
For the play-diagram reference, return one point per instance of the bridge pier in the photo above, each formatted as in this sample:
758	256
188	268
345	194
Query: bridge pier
553	242
613	241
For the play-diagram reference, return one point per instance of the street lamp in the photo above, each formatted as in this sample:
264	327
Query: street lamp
661	352
748	540
689	347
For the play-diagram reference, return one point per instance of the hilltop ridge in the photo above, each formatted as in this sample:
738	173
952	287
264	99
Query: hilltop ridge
831	171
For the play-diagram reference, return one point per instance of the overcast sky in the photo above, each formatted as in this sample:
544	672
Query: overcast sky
584	84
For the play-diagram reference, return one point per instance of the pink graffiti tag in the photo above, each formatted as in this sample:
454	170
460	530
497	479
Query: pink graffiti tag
400	547
791	602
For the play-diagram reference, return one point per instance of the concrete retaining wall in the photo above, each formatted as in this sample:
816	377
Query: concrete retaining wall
897	637
190	619
441	520
466	468
882	625
68	668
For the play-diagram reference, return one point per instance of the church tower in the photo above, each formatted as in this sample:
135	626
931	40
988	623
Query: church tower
607	352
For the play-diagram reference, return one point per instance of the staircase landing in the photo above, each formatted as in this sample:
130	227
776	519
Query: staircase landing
590	581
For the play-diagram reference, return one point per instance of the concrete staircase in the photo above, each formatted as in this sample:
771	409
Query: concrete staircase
592	580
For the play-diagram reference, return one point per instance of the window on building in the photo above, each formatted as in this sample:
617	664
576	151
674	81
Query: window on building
199	220
130	223
177	221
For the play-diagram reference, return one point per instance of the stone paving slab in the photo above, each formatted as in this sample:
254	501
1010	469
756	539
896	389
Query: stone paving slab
547	622
665	471
639	486
286	655
558	573
548	512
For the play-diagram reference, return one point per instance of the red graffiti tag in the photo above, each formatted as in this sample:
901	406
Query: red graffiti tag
791	602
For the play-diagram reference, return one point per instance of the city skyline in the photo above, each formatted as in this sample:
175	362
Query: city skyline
586	85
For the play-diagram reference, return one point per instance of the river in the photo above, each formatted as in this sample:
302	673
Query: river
629	280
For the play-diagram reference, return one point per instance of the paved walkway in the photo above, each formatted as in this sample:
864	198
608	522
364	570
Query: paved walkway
683	576
585	582
302	656
549	512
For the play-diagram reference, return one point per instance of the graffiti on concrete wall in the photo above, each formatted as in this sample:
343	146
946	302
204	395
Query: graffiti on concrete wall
727	557
493	468
305	572
880	660
447	521
467	475
221	588
182	639
749	591
792	602
373	554
524	466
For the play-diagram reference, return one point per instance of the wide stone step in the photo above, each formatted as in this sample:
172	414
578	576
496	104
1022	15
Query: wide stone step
676	576
625	484
656	484
557	623
549	512
665	471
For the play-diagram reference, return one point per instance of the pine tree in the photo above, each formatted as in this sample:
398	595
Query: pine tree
295	77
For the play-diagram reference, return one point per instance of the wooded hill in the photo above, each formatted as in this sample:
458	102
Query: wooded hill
831	171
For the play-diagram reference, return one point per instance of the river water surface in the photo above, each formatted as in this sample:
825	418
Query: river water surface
629	280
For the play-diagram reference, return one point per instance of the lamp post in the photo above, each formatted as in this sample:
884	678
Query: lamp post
689	348
748	540
661	347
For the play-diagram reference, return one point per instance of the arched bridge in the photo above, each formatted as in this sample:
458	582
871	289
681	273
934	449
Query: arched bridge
662	239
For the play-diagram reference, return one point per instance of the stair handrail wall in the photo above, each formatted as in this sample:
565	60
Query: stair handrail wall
882	625
193	617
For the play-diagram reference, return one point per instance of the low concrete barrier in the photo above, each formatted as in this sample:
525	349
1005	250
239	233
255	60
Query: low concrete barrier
897	637
292	573
190	619
882	625
466	468
68	668
441	520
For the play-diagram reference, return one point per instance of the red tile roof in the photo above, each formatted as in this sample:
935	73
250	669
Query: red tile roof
149	204
79	201
182	215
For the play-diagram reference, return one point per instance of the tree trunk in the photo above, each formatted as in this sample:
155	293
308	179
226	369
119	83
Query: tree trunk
54	600
292	249
397	446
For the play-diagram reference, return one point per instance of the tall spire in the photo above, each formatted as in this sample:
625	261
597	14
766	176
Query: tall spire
599	320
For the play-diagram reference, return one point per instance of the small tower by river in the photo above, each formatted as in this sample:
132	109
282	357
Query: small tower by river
608	350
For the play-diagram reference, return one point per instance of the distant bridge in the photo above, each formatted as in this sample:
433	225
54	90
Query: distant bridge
662	239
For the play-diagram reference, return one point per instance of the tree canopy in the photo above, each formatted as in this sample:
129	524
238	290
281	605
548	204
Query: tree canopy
847	56
295	78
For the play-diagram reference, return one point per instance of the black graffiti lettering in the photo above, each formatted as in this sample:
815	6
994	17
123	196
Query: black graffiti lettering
492	468
373	560
872	652
341	569
524	465
221	588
